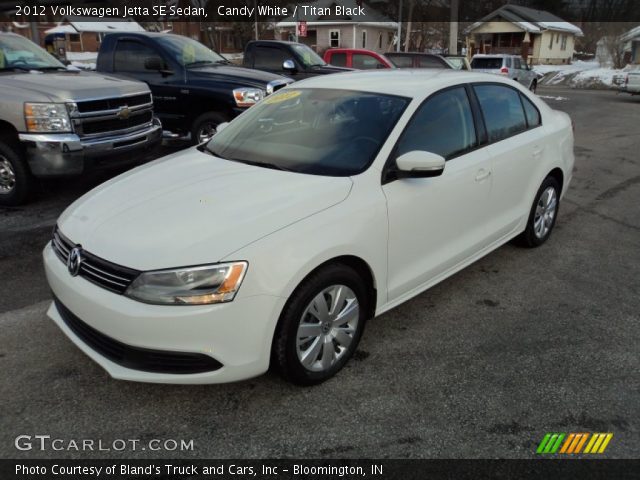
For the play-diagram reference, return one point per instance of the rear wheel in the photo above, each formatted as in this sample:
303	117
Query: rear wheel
542	217
15	178
205	127
321	325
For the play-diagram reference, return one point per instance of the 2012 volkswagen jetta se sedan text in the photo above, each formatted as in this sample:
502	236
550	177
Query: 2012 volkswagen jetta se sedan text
326	204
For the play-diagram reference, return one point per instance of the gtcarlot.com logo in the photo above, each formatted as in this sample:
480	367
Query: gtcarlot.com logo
46	442
573	443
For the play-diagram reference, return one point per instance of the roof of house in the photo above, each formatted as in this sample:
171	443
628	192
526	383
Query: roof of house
372	17
632	34
89	24
529	19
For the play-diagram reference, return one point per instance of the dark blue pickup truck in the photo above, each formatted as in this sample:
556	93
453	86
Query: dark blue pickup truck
194	88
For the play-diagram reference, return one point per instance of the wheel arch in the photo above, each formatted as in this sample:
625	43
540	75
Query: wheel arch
8	132
558	175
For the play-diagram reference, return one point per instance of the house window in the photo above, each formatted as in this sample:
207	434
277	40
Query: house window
364	39
334	38
563	45
380	41
551	41
74	37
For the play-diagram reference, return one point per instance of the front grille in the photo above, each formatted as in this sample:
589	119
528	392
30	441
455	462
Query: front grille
110	276
136	358
113	103
115	124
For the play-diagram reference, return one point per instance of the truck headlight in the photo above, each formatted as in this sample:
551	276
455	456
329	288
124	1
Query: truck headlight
46	117
246	97
189	286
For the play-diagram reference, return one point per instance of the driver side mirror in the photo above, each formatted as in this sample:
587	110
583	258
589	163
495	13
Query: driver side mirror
289	66
419	164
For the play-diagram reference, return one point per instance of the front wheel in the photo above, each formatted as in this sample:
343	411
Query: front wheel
205	127
15	178
542	217
321	325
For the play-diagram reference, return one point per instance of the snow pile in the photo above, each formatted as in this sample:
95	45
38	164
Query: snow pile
579	74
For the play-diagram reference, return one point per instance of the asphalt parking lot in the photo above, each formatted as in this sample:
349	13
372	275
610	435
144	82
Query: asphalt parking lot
522	343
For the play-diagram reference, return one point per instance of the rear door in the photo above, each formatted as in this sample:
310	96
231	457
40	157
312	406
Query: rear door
516	146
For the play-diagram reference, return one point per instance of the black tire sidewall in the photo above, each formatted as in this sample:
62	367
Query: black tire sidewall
22	188
288	363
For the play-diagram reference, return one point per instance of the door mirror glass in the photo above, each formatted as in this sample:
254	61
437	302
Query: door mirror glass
419	164
288	65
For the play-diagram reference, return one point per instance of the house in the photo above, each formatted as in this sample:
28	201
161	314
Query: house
81	34
373	32
631	47
538	36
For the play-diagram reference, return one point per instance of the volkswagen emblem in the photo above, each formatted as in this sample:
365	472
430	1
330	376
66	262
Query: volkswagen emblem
124	112
74	261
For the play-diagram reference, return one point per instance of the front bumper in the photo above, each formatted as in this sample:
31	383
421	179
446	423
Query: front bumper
51	154
238	334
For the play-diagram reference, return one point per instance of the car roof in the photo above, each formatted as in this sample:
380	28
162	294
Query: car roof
408	82
412	54
352	50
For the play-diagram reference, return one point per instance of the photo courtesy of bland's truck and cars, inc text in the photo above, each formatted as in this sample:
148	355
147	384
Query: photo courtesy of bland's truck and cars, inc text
333	238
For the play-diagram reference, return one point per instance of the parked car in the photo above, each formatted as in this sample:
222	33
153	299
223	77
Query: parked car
629	80
417	60
459	62
357	58
227	258
55	121
510	66
194	88
295	60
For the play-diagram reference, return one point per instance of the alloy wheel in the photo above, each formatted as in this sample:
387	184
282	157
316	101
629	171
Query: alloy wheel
545	212
7	176
206	132
327	328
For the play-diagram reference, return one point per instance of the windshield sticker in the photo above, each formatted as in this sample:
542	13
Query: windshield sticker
188	54
282	97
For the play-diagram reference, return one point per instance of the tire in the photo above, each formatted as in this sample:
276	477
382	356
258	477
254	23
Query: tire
544	209
16	182
204	122
331	342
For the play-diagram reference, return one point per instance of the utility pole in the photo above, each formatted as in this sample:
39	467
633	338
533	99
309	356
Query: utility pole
255	23
453	28
399	34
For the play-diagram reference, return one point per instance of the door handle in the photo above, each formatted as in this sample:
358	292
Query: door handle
483	175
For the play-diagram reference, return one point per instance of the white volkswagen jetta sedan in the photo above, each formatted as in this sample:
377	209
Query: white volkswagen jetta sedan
328	203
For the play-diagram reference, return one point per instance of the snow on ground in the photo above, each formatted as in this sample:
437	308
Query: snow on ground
579	74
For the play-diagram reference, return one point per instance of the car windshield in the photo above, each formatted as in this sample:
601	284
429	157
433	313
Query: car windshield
190	53
314	131
308	56
18	53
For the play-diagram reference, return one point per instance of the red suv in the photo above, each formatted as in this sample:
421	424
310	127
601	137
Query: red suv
357	58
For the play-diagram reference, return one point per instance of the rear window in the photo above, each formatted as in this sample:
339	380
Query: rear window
338	59
486	63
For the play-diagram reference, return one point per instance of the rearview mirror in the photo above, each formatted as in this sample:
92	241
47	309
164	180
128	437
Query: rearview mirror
419	164
289	66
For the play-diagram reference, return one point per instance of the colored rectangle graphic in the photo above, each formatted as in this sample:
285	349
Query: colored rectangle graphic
573	443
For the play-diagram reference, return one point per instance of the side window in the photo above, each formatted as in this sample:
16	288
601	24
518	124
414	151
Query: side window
402	61
429	62
364	62
531	112
442	125
516	63
270	58
131	56
502	111
338	59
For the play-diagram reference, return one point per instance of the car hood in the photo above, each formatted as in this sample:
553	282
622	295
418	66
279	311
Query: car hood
76	86
192	208
243	75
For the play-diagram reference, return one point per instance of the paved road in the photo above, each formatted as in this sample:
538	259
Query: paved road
521	343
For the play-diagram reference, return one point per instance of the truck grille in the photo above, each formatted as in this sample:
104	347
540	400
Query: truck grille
94	269
136	358
112	116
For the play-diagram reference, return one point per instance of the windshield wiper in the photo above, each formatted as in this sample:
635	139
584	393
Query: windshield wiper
272	166
42	69
199	63
13	69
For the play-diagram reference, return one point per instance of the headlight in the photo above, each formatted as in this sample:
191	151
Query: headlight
245	97
189	286
46	117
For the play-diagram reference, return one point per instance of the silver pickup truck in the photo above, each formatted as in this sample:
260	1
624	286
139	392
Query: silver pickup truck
55	121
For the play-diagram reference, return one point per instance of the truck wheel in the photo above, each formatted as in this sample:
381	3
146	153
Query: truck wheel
15	178
205	127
